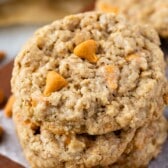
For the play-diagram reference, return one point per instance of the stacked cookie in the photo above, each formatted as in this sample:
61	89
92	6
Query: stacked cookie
153	12
90	92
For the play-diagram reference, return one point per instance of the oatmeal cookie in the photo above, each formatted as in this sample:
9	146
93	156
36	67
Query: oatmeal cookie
44	149
145	145
154	12
90	73
122	148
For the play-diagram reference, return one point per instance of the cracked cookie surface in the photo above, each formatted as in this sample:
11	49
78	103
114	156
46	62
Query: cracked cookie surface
45	149
123	88
119	149
86	90
145	145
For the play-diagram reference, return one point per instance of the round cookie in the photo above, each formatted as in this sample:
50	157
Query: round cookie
44	149
123	148
145	145
90	73
154	12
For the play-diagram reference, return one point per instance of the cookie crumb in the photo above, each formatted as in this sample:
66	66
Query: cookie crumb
76	145
131	57
8	107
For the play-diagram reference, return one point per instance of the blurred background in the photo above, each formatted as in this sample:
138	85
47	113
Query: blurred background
20	18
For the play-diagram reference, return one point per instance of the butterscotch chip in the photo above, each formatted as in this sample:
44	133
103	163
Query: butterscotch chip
54	82
8	107
153	12
87	50
111	73
2	55
33	103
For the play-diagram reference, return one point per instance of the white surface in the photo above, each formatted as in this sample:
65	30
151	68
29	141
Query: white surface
10	146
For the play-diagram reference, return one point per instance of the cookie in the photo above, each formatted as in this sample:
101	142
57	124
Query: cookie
44	149
123	148
145	145
90	73
153	12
